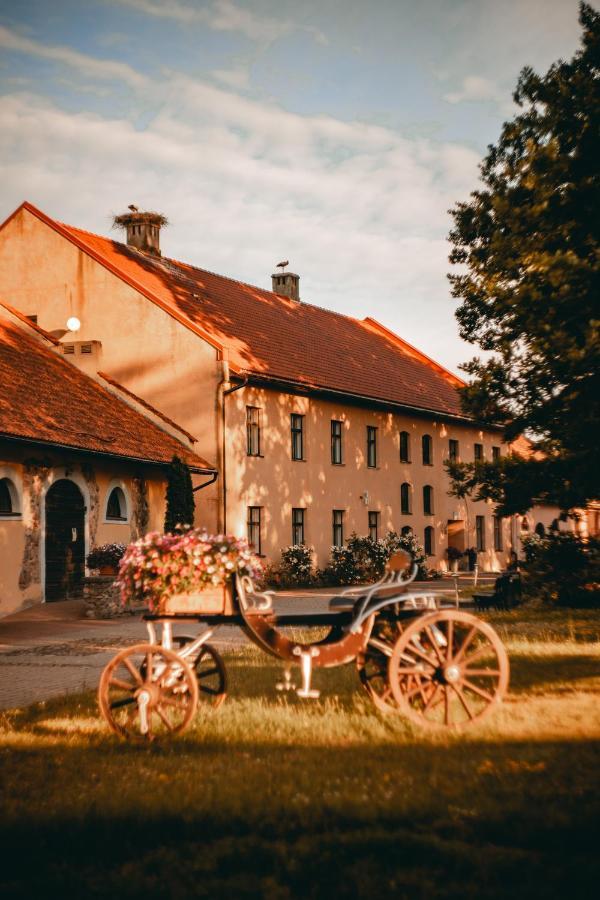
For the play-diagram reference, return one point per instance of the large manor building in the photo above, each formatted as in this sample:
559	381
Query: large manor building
318	424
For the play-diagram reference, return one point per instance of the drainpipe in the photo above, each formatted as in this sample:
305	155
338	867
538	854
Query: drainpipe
225	391
204	484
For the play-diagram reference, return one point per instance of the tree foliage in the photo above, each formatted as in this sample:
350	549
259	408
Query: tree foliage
527	246
180	496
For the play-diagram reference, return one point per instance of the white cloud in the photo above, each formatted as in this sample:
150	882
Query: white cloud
234	78
220	15
358	209
473	89
89	66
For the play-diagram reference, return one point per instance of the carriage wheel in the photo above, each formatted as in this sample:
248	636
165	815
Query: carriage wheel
210	672
448	669
372	663
146	691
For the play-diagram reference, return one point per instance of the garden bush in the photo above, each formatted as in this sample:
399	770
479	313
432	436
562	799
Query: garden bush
562	568
296	567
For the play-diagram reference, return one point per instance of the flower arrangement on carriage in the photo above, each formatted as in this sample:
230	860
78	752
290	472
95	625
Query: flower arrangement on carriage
185	571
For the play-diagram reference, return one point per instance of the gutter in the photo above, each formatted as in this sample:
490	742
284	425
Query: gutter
197	470
302	388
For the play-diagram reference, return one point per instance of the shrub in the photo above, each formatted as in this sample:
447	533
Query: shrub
296	566
180	496
106	555
342	567
562	568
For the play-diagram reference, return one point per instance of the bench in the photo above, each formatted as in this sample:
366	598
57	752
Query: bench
506	593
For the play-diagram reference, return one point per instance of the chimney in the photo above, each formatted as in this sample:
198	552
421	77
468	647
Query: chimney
286	283
142	228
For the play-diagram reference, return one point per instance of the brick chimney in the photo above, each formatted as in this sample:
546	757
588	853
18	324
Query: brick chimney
142	228
286	283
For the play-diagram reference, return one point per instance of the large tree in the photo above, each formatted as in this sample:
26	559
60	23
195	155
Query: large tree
526	244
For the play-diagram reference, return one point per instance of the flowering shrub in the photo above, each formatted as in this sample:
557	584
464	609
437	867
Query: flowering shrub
296	565
105	555
160	565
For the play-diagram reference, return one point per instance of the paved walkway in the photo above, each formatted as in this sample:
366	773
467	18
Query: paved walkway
52	649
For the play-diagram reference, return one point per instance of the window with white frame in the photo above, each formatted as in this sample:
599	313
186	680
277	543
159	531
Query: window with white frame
116	506
9	498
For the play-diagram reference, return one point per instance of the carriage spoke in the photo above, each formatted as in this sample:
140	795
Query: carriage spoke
450	639
118	704
430	704
465	644
463	700
123	685
483	673
477	690
205	673
481	651
423	655
164	718
134	672
433	641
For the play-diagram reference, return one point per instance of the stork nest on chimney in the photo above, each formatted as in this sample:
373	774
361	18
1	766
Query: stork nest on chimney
140	218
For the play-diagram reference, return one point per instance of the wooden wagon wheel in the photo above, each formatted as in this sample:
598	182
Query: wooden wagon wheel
210	671
146	691
448	669
372	663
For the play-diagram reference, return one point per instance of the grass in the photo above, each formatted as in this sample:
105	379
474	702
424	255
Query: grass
275	798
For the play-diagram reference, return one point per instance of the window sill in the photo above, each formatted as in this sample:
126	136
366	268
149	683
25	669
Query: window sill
299	460
255	455
10	517
108	521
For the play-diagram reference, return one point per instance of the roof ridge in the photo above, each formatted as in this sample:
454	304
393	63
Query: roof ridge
188	265
33	325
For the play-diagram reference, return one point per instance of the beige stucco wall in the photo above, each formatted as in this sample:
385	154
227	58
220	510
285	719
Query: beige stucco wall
22	536
278	484
142	347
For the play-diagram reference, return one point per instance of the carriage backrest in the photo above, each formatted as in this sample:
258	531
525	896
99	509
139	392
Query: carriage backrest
398	561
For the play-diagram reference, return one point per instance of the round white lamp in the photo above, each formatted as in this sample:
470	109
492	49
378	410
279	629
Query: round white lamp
73	323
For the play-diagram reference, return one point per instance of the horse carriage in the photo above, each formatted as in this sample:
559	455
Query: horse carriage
415	652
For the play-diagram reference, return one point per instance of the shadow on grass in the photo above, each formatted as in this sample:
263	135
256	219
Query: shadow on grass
558	671
234	822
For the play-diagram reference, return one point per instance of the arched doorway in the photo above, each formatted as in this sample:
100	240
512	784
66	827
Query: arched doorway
65	541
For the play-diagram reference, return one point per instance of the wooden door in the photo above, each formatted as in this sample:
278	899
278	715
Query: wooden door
65	541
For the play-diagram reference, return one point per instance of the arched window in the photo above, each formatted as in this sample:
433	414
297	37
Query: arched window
428	500
116	507
404	446
9	499
428	541
406	530
405	504
524	525
554	525
427	444
540	530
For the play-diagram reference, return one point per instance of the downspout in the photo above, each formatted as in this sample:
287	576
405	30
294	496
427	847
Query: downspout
224	392
204	484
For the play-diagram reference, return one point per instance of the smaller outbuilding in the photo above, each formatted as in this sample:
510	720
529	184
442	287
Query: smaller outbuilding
81	464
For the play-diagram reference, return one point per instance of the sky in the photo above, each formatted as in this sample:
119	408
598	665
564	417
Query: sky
333	133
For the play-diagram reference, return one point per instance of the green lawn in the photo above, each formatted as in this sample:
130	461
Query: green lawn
274	797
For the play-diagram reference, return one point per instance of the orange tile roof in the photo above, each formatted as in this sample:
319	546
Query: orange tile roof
45	398
265	334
